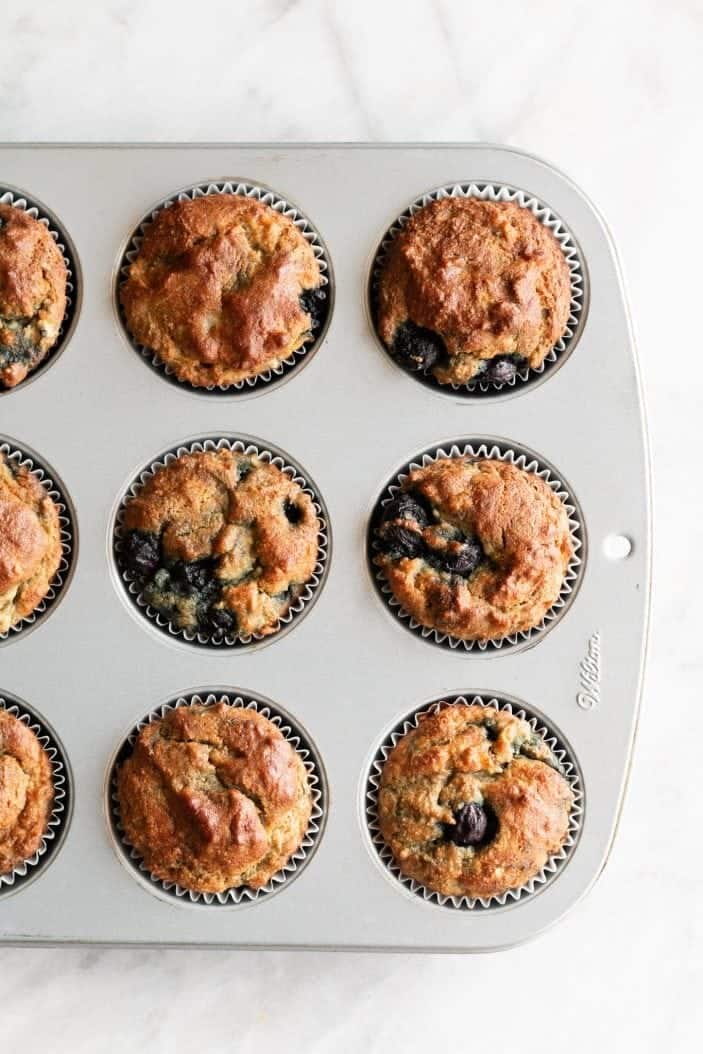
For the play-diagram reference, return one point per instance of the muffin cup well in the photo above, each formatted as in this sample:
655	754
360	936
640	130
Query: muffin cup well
522	458
68	529
526	376
567	767
310	591
296	360
59	818
236	895
38	211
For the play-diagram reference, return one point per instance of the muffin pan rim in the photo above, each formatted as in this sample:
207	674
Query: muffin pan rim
74	279
369	784
259	384
305	747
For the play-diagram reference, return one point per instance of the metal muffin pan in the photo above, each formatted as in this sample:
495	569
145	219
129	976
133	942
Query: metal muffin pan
347	673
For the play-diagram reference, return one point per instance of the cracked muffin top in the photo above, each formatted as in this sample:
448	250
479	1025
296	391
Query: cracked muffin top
473	288
221	543
30	542
214	797
222	288
26	792
471	802
476	548
33	280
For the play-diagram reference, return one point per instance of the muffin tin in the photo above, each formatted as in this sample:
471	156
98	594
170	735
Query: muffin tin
348	674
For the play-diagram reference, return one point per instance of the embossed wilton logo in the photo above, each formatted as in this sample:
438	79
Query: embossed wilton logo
589	675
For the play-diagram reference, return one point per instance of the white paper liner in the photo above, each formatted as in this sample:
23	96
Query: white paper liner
522	459
310	591
57	232
497	192
555	863
266	196
306	751
13	880
68	532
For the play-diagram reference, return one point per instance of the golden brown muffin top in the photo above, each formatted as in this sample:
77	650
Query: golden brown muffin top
30	542
476	548
486	278
228	537
214	797
471	802
32	293
26	792
215	288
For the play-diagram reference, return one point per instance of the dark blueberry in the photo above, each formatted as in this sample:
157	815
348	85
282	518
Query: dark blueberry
141	553
243	470
404	507
416	348
474	825
313	302
465	560
192	577
399	541
502	369
294	513
220	621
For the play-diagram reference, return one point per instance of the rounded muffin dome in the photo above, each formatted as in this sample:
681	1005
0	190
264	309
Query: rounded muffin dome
26	792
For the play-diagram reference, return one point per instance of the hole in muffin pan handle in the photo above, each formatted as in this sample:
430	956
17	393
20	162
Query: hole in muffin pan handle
617	547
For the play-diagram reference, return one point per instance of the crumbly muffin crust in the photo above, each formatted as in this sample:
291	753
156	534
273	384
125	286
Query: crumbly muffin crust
30	542
472	287
215	289
33	280
214	797
471	802
477	548
26	792
221	542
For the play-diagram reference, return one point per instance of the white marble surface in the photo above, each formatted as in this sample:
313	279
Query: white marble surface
610	91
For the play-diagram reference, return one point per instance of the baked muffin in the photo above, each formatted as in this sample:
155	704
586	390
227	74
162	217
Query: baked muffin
30	542
475	548
222	288
221	543
214	797
471	802
473	288
26	792
33	279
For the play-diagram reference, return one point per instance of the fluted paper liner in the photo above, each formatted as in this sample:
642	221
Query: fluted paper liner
68	532
566	766
13	880
40	212
297	358
305	750
522	459
310	590
497	192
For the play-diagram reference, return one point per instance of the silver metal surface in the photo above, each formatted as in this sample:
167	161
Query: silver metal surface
347	672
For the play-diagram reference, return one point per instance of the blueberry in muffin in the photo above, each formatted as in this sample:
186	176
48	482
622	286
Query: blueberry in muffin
26	792
223	288
475	548
214	797
30	542
472	288
33	280
472	803
220	543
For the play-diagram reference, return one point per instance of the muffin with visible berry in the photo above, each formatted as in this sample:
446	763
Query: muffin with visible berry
214	797
30	542
472	802
221	543
33	279
223	288
26	792
474	547
472	289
